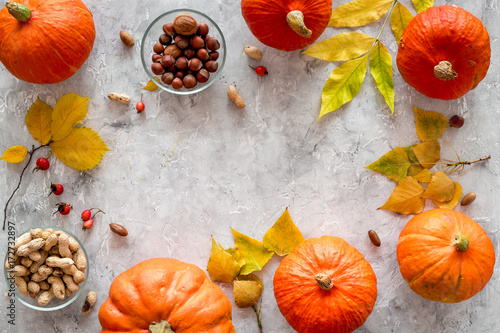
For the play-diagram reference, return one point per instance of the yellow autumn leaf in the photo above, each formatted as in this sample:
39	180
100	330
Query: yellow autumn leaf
429	124
359	12
221	266
406	198
69	110
428	153
236	256
38	120
381	70
400	18
394	164
415	167
441	188
247	290
421	5
151	85
82	149
15	154
343	84
253	251
341	47
424	176
453	202
283	236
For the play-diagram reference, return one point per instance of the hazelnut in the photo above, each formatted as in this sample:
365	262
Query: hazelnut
157	68
203	75
202	29
171	68
189	81
167	78
181	41
197	42
185	24
177	83
202	54
214	55
167	60
212	66
165	39
158	48
156	57
168	29
189	53
173	50
212	43
195	64
181	63
180	74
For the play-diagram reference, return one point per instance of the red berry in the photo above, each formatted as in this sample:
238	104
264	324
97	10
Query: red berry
261	71
88	224
63	208
86	214
42	164
57	189
140	106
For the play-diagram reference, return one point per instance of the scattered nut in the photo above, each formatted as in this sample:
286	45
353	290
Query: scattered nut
118	229
122	98
89	302
253	52
127	38
233	95
374	238
468	199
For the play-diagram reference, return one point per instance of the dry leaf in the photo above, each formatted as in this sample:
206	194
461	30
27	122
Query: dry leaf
359	12
221	266
453	202
406	198
151	85
381	70
341	47
429	124
424	176
247	290
400	18
428	153
69	110
38	120
415	167
283	236
82	149
421	5
253	251
15	154
441	188
394	165
236	256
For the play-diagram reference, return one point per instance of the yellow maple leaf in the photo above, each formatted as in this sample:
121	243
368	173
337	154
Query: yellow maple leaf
428	153
359	12
222	266
429	124
283	236
453	202
253	251
82	149
15	154
441	188
151	85
406	198
38	120
247	290
69	110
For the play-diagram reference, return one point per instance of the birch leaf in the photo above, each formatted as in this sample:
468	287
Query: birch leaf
381	70
406	198
69	110
359	12
421	5
82	149
38	120
400	18
247	290
283	236
428	153
429	124
222	267
453	202
341	47
151	85
415	167
343	84
441	188
394	165
253	251
15	154
424	176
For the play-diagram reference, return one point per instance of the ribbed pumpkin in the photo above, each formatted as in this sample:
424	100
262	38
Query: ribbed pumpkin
160	292
444	52
287	24
45	41
445	256
325	286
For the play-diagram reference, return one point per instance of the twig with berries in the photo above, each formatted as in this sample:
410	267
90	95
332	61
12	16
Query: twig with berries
88	218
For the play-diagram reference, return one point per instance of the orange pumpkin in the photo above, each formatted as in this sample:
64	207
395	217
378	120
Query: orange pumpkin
160	292
444	52
445	256
325	286
287	24
45	41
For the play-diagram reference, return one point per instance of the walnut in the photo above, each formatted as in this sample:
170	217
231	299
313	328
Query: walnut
185	24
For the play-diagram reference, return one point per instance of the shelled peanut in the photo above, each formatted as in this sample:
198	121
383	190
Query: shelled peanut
185	54
47	264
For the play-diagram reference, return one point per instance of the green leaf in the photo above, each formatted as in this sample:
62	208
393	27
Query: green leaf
400	18
253	251
359	12
381	70
394	165
421	5
429	124
343	84
283	236
341	47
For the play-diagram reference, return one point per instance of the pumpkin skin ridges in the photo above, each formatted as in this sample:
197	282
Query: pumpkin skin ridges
435	269
444	33
305	306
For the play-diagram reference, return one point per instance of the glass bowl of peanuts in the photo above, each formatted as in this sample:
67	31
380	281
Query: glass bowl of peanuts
183	51
45	268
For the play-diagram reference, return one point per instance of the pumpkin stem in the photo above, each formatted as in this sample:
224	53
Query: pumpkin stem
443	71
295	20
161	327
461	243
324	281
19	11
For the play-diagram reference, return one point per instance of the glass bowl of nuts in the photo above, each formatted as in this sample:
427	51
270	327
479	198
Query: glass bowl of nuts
45	268
184	51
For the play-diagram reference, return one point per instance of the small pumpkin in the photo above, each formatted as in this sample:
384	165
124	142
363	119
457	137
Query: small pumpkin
287	24
445	256
45	41
165	295
444	52
325	286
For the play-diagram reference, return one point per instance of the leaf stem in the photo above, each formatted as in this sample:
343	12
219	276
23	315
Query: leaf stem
257	314
383	26
469	162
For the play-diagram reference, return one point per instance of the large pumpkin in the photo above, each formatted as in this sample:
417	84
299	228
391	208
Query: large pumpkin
325	286
287	24
444	52
160	292
445	256
45	41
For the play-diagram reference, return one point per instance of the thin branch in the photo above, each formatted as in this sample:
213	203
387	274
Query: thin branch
257	314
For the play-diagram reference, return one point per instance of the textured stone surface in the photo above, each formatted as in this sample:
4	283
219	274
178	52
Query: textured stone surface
193	166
